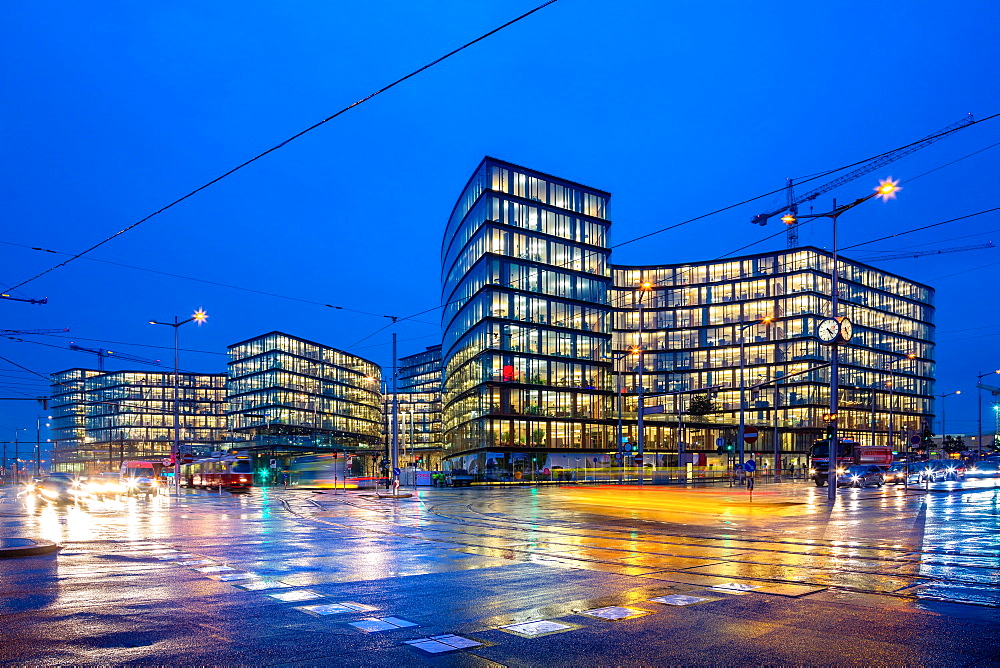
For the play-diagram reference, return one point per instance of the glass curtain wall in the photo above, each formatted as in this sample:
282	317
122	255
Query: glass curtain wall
287	393
691	332
130	415
526	319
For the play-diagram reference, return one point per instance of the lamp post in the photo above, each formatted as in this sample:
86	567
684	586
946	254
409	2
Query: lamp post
980	408
891	365
618	433
743	381
17	455
886	190
200	317
644	287
944	431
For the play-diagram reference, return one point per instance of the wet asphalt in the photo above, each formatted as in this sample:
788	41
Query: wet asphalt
524	576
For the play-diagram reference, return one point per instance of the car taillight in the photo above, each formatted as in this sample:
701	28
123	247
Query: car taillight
243	479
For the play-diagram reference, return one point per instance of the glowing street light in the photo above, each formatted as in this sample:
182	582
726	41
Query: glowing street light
766	320
200	317
886	190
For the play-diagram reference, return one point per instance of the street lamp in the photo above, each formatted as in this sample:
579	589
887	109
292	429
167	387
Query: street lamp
979	385
886	190
619	437
644	287
17	455
944	431
743	381
199	317
891	365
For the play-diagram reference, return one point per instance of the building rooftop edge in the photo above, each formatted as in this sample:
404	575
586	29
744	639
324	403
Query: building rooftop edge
299	338
735	258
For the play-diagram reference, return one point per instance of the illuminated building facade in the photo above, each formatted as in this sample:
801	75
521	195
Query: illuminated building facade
692	319
530	304
288	394
419	409
526	322
126	415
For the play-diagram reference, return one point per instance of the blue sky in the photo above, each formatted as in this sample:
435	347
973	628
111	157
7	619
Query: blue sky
112	109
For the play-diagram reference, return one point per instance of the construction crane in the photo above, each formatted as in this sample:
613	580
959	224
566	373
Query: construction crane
5	332
912	254
102	353
793	201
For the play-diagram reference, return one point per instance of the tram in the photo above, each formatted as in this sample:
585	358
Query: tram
231	472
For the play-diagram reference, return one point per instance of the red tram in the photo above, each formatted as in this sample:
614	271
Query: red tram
232	472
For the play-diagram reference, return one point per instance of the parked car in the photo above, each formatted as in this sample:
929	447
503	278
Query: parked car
861	475
984	469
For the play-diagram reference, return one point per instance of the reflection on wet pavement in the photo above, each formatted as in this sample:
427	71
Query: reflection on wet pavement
621	546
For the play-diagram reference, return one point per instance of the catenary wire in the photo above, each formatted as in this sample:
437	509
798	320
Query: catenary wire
282	144
818	175
208	282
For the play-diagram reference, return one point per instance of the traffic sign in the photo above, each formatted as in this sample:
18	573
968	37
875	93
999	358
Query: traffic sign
750	434
916	440
720	442
750	465
396	472
595	460
638	459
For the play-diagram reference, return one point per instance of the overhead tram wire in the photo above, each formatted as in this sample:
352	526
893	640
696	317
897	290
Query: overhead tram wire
818	175
126	343
208	282
282	144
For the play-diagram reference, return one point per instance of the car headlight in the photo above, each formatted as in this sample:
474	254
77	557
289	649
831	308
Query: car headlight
854	477
840	471
812	471
132	483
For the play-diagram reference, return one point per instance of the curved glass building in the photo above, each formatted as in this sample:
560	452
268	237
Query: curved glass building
526	322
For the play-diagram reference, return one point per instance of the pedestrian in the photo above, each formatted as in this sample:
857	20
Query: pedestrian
750	482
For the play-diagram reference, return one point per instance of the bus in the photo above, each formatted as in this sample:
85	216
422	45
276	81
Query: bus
849	453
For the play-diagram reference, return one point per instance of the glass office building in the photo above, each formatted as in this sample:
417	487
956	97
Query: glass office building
290	395
125	415
691	337
530	368
526	322
419	409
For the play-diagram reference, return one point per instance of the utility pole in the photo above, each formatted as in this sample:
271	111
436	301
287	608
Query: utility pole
394	453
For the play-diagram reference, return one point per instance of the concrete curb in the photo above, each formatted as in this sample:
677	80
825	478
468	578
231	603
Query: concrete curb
26	547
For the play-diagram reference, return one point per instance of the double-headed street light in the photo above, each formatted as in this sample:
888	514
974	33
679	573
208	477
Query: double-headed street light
644	287
743	381
199	317
891	365
836	330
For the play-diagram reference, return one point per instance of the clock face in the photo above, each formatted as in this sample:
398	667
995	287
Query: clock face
828	330
846	330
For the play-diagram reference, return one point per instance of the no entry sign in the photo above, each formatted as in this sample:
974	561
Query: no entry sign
750	434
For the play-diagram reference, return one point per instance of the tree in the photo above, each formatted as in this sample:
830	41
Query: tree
701	404
952	444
